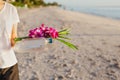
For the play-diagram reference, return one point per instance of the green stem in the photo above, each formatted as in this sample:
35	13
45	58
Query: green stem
20	38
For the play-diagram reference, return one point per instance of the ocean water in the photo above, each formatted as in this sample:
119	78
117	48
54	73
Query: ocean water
109	12
104	11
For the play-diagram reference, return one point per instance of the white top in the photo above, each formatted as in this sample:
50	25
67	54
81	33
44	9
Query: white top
8	17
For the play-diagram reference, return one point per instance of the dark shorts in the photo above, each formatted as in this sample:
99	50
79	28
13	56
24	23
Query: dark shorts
10	73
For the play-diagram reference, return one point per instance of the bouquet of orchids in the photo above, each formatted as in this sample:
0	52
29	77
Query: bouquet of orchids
48	32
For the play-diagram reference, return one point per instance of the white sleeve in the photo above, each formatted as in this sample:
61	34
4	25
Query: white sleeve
15	16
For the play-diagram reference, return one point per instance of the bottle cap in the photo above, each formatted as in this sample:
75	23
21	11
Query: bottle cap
50	40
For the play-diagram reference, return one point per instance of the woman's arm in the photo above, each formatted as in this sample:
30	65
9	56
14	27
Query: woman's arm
13	34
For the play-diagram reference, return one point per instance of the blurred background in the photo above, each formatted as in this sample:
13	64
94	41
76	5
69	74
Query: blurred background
106	8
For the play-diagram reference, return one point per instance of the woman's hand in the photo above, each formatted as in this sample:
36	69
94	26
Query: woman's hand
13	34
12	42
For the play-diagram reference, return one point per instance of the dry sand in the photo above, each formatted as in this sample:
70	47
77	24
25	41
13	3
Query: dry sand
97	38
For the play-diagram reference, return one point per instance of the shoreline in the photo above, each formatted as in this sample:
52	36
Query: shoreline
87	13
94	14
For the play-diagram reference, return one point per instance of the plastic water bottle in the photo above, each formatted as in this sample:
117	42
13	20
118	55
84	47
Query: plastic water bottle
28	44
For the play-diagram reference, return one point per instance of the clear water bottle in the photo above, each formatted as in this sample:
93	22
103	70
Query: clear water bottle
29	44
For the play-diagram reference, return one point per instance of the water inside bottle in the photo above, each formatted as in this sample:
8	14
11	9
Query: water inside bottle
28	44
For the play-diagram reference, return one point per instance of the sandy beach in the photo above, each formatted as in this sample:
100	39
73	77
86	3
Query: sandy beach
97	38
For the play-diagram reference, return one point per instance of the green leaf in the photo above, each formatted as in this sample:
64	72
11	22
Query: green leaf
63	32
64	37
68	44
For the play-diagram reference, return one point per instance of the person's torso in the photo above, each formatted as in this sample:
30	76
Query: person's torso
7	56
